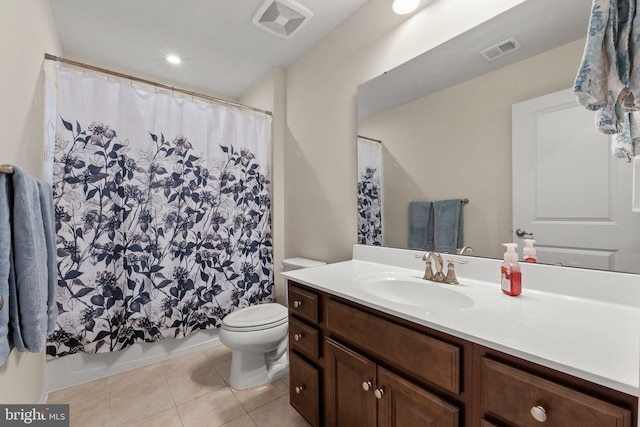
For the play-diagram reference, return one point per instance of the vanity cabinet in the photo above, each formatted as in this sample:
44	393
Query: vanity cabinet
352	365
305	367
424	357
361	393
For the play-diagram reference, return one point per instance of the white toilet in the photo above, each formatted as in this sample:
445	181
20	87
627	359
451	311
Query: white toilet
258	337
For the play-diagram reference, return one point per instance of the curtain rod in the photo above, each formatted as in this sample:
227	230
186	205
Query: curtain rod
369	139
50	57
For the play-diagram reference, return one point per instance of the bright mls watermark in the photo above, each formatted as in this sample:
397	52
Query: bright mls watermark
34	415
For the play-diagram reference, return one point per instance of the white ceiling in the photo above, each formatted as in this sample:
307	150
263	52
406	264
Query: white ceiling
223	53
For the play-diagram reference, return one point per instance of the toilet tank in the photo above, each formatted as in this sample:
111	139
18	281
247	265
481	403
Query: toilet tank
290	264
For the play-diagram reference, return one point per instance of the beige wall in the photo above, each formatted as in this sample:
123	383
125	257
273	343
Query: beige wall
457	143
268	94
27	31
319	138
320	145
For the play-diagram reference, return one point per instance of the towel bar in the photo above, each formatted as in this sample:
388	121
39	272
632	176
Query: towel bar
6	169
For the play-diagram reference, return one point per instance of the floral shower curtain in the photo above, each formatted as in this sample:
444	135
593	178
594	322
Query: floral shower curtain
369	192
163	214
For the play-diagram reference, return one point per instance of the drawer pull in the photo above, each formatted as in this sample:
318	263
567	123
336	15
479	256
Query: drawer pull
297	337
299	389
366	386
379	393
297	304
539	414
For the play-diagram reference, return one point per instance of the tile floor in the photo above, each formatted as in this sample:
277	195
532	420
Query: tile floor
185	391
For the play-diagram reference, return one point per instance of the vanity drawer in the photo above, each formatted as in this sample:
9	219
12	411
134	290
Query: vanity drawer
303	303
303	338
304	389
422	356
511	394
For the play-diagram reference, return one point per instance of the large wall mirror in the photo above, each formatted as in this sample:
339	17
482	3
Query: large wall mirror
446	127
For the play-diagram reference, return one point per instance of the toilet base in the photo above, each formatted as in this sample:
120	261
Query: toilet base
249	369
279	368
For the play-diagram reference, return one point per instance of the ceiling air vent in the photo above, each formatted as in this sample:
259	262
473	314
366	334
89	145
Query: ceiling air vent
500	49
284	18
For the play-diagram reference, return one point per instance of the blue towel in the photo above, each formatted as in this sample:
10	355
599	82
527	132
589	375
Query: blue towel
447	229
48	220
603	76
29	300
5	266
421	226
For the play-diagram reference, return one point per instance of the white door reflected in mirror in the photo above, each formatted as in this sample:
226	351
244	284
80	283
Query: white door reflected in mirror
568	189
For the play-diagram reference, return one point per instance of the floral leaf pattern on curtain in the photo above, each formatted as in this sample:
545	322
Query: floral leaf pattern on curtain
156	242
369	192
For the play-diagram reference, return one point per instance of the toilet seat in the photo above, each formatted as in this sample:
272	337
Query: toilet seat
256	318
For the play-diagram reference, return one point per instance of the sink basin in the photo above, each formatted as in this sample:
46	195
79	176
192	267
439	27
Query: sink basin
405	289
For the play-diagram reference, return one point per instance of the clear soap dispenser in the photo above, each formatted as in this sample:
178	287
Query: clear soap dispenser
511	277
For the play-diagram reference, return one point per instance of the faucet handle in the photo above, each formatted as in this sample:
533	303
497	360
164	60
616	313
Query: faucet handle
451	273
428	272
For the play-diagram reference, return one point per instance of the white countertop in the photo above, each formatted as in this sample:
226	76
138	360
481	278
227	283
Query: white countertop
589	338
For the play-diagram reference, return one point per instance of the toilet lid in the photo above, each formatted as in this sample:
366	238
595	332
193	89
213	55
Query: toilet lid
256	317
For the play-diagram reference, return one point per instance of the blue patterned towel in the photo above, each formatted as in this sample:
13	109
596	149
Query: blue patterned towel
603	78
626	144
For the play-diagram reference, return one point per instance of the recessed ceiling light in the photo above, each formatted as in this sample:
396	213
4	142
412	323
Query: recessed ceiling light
174	59
402	7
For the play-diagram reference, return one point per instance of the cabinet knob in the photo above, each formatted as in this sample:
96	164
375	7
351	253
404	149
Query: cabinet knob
297	304
297	337
366	386
299	389
539	414
379	393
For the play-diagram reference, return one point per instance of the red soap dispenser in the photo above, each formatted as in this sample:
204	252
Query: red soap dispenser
529	252
511	277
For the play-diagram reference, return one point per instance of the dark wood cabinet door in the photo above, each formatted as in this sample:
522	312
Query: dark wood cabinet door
347	401
304	389
403	403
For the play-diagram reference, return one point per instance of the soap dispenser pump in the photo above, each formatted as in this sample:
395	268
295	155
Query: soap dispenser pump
511	277
529	252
